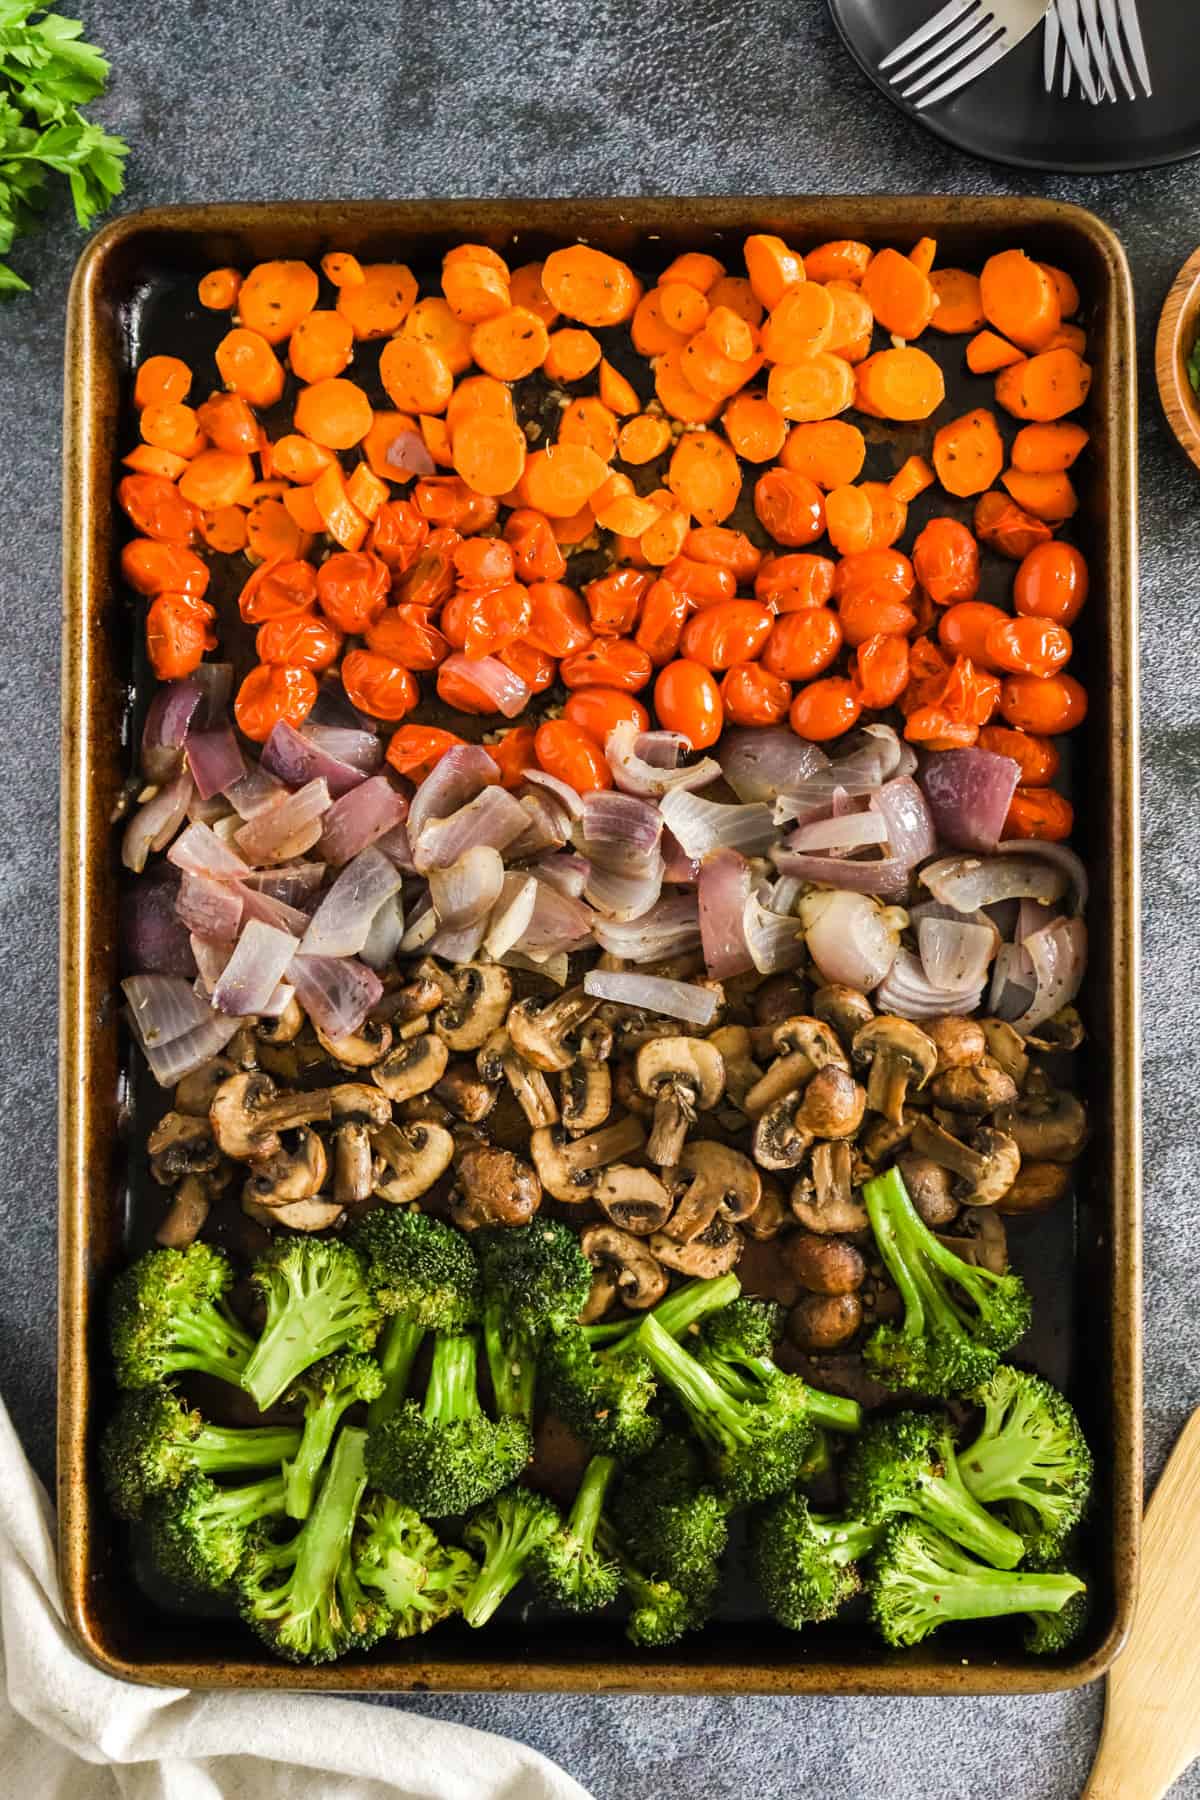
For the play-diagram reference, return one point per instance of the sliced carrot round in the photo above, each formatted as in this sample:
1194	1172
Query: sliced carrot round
695	267
899	293
525	287
275	296
591	286
843	259
618	394
683	307
814	387
560	480
959	306
272	532
218	290
678	395
321	346
478	394
755	427
334	413
415	376
431	322
643	438
735	293
217	478
250	367
378	304
830	452
342	270
510	345
161	381
853	322
704	476
900	384
773	268
588	421
299	459
799	324
1019	299
968	453
490	453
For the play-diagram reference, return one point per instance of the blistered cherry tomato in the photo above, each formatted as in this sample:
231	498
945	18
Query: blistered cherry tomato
874	572
864	614
790	507
536	669
299	641
608	662
406	635
1001	523
790	583
614	601
429	579
1038	812
880	669
278	593
352	589
1045	704
377	685
724	548
270	694
599	710
969	692
731	632
1052	583
963	629
482	621
397	534
703	583
514	755
155	568
1037	757
571	755
1026	646
687	699
664	613
938	729
484	562
158	509
178	632
803	644
558	619
534	547
415	749
946	560
447	500
751	695
825	709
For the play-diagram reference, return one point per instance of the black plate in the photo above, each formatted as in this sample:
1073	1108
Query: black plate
1007	117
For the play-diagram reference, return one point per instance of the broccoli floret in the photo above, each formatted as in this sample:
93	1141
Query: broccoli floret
303	1596
920	1580
535	1282
155	1441
735	1346
806	1563
424	1277
566	1568
755	1446
327	1390
505	1535
1049	1633
744	1328
199	1532
318	1303
671	1521
906	1465
169	1314
419	1579
679	1313
447	1455
660	1612
1030	1460
958	1320
603	1395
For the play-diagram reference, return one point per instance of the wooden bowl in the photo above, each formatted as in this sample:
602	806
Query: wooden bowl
1178	324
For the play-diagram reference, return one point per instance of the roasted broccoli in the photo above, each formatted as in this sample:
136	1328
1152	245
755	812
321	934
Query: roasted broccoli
302	1596
447	1455
680	1312
735	1347
155	1441
168	1314
906	1465
318	1303
327	1390
1030	1460
660	1612
424	1277
535	1282
920	1580
199	1532
566	1568
604	1395
1048	1633
958	1319
505	1534
672	1522
420	1580
805	1563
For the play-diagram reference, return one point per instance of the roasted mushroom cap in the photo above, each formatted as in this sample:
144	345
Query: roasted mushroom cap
1063	1030
825	1202
296	1171
628	1094
412	1068
880	1138
928	1185
475	1007
1049	1125
900	1056
782	996
976	1088
714	1252
601	1295
357	1110
363	1048
844	1008
778	1143
684	1076
1038	1187
741	1071
832	1106
586	1091
494	1188
541	1031
823	1264
803	1046
633	1199
409	1158
640	1279
285	1028
463	1091
820	1322
248	1113
196	1092
1006	1046
570	1167
297	1215
180	1145
771	1214
959	1042
714	1180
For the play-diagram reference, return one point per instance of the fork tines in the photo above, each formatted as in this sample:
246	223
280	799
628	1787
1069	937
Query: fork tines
958	44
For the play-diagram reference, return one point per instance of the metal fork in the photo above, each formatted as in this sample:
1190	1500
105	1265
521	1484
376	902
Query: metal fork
1090	33
960	43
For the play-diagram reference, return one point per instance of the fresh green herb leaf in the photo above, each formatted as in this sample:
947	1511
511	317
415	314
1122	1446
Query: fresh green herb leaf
47	73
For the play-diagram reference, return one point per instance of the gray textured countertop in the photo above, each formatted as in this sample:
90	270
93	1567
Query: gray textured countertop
560	97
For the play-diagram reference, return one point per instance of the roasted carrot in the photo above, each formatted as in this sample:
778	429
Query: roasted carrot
618	394
367	491
799	325
968	453
489	453
773	268
735	292
622	511
415	376
589	421
959	308
683	308
321	346
1045	387
161	381
849	520
677	394
432	323
696	268
571	355
229	424
755	427
900	384
146	460
224	529
812	387
250	367
1019	299
342	519
830	452
437	440
714	376
1047	496
663	541
643	438
889	513
651	334
1064	288
1068	337
478	394
341	269
175	427
217	478
510	345
272	533
377	305
590	286
912	478
1047	449
302	507
842	259
729	333
923	254
987	354
334	413
560	480
299	459
704	476
899	294
219	289
853	322
275	296
525	288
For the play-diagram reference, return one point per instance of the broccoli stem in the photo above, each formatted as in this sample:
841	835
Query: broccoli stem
846	1540
999	1468
676	1314
944	1502
833	1412
502	1569
211	1340
887	1200
217	1450
512	1364
254	1500
993	1593
716	1416
401	1343
326	1532
451	1394
589	1501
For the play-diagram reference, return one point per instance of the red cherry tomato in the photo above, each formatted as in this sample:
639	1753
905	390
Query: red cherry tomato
790	583
703	583
299	641
1037	756
154	568
946	559
880	669
825	709
1052	583
1029	646
1001	523
447	500
377	685
687	699
279	592
963	629
882	614
803	644
886	573
405	634
1039	812
598	710
790	507
352	589
482	621
558	619
397	534
177	634
664	614
608	662
751	695
1044	704
571	755
536	669
484	562
733	631
414	749
158	509
514	755
270	694
534	547
724	548
615	600
429	579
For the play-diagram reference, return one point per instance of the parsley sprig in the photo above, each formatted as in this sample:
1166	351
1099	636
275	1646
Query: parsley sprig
47	73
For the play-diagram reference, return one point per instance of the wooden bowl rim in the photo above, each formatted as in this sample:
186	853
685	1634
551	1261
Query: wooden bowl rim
1180	314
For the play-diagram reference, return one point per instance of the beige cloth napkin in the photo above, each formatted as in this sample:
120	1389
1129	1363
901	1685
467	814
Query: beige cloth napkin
70	1732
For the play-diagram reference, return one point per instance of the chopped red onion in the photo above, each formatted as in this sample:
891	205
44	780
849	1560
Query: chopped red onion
723	894
215	681
847	831
155	823
610	818
177	1030
169	1063
909	992
1062	857
458	943
254	971
505	689
342	923
167	719
1058	956
701	825
293	883
384	937
557	923
407	454
969	882
511	914
649	993
152	939
774	940
784	894
209	909
467	890
336	992
210	961
901	805
278	1002
549	825
679	867
419	927
299	762
331	707
969	793
286	831
645	763
671	927
762	764
566	872
955	953
346	744
624	893
360	818
850	937
458	775
887	877
215	759
256	792
208	812
1013	982
493	817
258	905
570	798
1031	916
395	845
200	851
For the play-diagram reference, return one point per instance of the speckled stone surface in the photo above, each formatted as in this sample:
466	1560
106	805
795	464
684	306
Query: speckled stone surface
564	97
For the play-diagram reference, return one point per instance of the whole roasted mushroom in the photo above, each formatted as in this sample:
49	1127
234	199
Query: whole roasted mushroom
187	1214
570	1167
479	998
640	1279
820	1322
494	1187
1038	1187
357	1110
979	1238
713	1181
195	1093
413	1067
976	1088
824	1201
844	1008
409	1158
295	1171
779	997
1048	1124
899	1056
741	1071
823	1264
929	1188
464	1092
713	1253
778	1142
771	1215
498	1061
543	1031
634	1200
832	1106
683	1076
959	1042
248	1113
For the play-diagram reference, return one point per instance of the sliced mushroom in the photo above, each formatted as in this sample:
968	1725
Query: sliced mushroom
714	1252
570	1167
296	1171
1062	1031
297	1215
741	1071
410	1003
777	1141
409	1158
987	1166
541	1030
248	1113
185	1218
824	1265
979	1239
498	1061
825	1202
803	1046
844	1008
1048	1124
928	1185
1006	1046
881	1137
357	1111
977	1088
640	1279
633	1199
595	1040
478	1001
180	1145
713	1180
1038	1187
832	1106
628	1094
412	1068
684	1076
292	1062
959	1042
197	1091
586	1096
285	1028
771	1215
464	1092
362	1049
601	1295
494	1187
899	1056
242	1048
820	1322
